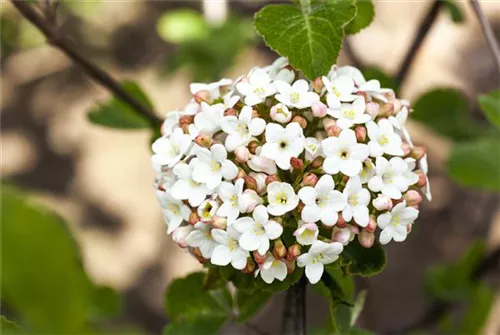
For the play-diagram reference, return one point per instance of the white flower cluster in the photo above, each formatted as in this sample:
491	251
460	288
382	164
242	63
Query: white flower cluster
250	170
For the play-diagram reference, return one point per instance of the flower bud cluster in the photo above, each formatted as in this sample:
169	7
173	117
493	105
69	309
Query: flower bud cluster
273	157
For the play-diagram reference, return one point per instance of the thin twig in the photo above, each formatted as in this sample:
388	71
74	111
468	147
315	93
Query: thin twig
424	28
439	308
61	42
351	54
487	31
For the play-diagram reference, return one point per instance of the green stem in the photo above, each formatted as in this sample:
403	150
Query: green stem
305	6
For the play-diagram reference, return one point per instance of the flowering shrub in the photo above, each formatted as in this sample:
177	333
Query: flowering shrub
274	172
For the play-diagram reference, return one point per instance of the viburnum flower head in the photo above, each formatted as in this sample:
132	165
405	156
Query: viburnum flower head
275	175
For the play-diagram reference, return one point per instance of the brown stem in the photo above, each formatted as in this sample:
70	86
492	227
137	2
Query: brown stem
487	31
294	313
424	28
61	42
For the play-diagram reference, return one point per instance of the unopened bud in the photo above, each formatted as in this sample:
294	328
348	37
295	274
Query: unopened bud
230	112
300	207
280	113
201	96
300	120
250	267
372	109
318	85
250	182
372	224
406	149
310	179
185	128
241	173
318	109
272	178
327	123
317	162
261	181
204	141
242	154
297	163
417	152
293	252
260	259
387	109
194	218
412	198
360	132
333	131
255	114
341	222
290	266
397	105
362	94
422	178
219	222
366	239
390	95
186	119
252	147
179	235
279	249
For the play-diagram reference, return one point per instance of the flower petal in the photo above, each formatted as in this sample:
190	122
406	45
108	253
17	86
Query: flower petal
314	271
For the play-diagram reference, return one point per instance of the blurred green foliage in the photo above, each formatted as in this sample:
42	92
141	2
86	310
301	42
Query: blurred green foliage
490	104
183	25
454	10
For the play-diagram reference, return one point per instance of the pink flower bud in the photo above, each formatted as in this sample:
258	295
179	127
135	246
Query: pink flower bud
194	218
372	109
179	235
249	200
204	141
318	109
186	119
390	95
297	163
219	222
333	131
255	114
422	178
252	147
280	113
260	259
408	228
341	222
242	154
366	239
413	198
318	85
317	162
202	96
241	173
310	179
327	123
300	120
261	181
397	105
250	182
417	152
230	112
279	249
290	266
362	94
250	267
406	149
272	178
382	203
372	224
293	252
360	132
387	109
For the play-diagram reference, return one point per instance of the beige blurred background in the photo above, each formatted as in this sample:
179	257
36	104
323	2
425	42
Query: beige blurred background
101	179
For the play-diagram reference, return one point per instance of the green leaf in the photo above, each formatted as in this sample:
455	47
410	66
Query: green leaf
341	315
310	40
452	282
455	12
250	304
446	111
386	81
362	261
359	304
478	310
42	281
187	298
365	12
476	164
8	327
182	25
117	114
490	104
335	285
201	325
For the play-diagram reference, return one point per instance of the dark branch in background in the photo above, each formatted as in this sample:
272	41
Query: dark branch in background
294	313
424	28
488	32
349	52
55	38
439	308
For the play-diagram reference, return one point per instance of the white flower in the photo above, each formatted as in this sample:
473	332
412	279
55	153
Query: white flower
349	71
186	188
257	232
383	139
322	202
174	211
262	164
249	200
213	165
313	148
358	199
229	100
241	129
339	89
271	269
344	154
306	233
283	143
229	249
296	95
411	177
321	253
278	70
399	120
207	121
344	235
281	197
422	163
207	210
169	150
230	195
349	114
390	179
373	89
212	88
394	224
260	178
257	88
201	237
179	235
368	171
280	113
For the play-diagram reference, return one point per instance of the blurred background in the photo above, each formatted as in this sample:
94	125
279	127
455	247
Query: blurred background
100	180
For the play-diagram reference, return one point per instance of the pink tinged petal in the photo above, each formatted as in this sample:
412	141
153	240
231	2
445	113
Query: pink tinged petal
243	225
383	220
220	236
249	241
257	126
351	168
375	184
361	215
221	255
311	213
279	270
308	195
331	165
273	230
324	184
329	217
385	236
314	271
392	192
229	170
239	259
